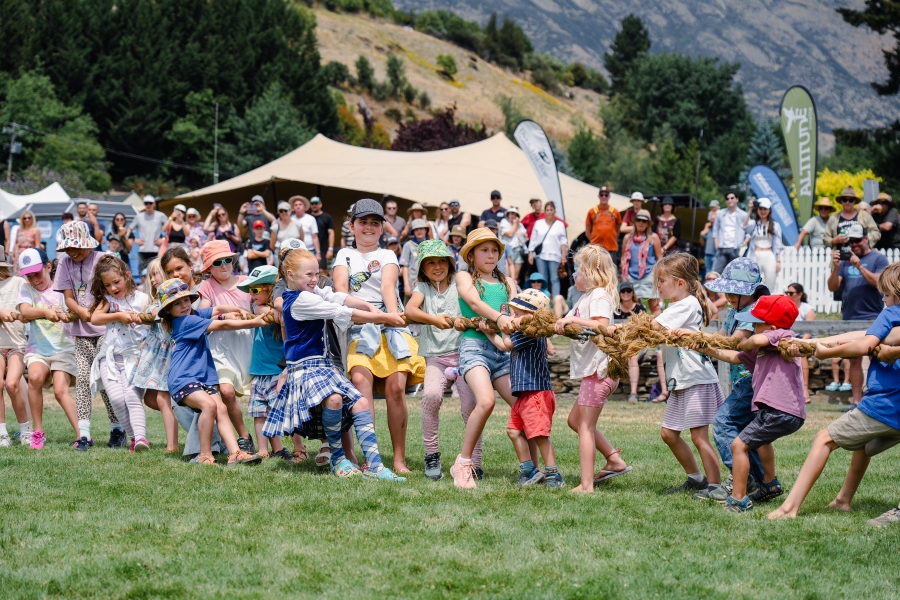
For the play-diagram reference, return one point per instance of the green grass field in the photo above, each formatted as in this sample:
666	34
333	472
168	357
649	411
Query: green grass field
110	524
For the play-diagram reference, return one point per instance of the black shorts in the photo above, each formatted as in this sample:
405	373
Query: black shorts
179	396
769	425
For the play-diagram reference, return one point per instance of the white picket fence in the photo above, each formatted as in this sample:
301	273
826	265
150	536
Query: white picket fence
810	267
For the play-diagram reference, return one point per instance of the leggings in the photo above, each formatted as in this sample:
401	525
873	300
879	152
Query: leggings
85	352
433	397
124	398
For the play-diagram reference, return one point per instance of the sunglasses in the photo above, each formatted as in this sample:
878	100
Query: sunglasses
626	292
850	200
221	262
26	218
283	210
790	293
257	290
603	194
855	240
445	208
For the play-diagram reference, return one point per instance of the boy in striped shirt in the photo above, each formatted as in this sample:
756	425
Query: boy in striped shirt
532	415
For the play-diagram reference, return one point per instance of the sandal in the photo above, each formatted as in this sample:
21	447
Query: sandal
663	397
323	458
301	455
767	491
205	459
604	474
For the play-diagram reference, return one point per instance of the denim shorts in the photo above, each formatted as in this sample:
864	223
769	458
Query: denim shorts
482	353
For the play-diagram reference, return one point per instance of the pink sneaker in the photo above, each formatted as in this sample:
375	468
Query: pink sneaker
131	447
463	474
37	440
140	444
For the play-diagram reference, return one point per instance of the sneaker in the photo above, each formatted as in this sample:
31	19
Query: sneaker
246	444
707	493
243	458
5	440
345	469
555	481
140	444
25	438
37	440
689	485
720	494
738	506
479	474
433	466
384	474
536	477
845	387
889	518
83	444
284	454
633	398
131	447
117	439
462	473
833	387
850	408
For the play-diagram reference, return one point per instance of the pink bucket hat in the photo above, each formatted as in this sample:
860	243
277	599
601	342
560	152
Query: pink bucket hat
213	251
75	234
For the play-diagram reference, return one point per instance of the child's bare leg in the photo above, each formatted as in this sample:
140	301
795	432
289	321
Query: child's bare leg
223	415
680	449
835	370
159	400
821	449
700	438
37	373
613	461
858	465
61	391
504	388
261	440
661	369
548	454
229	398
634	373
202	401
398	417
479	380
14	371
587	425
520	444
767	458
740	468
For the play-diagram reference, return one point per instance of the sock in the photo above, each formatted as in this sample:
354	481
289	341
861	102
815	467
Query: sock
365	433
527	467
462	460
24	429
3	429
84	428
552	471
331	422
112	426
695	476
713	486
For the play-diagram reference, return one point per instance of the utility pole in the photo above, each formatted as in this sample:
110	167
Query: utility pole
216	148
12	146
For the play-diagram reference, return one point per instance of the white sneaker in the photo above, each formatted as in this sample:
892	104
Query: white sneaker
25	439
5	441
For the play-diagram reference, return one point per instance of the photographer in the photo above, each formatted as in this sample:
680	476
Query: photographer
250	213
838	224
856	270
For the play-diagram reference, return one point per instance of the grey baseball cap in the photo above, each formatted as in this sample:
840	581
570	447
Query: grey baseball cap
367	207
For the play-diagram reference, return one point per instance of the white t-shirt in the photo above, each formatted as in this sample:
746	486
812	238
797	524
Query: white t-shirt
687	367
310	228
12	335
803	310
550	238
365	272
585	358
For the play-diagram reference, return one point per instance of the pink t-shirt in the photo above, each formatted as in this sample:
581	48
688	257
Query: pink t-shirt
219	296
777	384
71	275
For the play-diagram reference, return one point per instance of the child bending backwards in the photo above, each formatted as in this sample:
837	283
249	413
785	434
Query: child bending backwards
595	275
696	395
875	424
779	402
12	349
531	416
312	377
118	305
192	371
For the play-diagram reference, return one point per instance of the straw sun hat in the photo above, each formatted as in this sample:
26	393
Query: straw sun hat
478	236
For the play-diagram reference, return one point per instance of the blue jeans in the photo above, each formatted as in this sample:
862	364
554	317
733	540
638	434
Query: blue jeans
731	418
710	261
725	256
550	270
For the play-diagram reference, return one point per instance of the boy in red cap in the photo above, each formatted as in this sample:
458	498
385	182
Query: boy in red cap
779	400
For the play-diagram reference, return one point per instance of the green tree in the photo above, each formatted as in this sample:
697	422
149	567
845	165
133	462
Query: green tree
630	44
881	16
447	64
584	155
365	74
766	148
193	135
270	128
396	74
512	115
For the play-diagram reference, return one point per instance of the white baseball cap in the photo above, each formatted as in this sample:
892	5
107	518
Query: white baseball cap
764	203
32	260
637	196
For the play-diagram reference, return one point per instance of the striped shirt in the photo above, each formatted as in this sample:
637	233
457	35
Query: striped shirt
529	370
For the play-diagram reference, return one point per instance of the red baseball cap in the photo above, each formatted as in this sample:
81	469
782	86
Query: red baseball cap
778	311
259	224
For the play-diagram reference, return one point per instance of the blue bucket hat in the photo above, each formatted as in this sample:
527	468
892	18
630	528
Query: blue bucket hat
537	277
740	277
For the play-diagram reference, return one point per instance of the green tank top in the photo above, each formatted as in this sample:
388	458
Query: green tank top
495	295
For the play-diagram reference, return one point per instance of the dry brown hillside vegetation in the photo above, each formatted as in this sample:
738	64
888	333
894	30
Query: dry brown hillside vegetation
344	37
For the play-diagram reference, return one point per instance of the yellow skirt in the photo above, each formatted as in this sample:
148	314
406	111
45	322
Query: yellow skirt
383	363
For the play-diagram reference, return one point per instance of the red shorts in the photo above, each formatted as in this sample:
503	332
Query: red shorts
533	413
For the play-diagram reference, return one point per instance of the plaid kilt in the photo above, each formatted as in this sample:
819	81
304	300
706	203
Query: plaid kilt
308	383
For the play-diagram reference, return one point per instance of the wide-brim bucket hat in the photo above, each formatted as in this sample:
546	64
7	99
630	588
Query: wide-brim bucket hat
75	234
741	277
824	203
174	289
458	231
848	193
213	251
480	236
266	274
434	249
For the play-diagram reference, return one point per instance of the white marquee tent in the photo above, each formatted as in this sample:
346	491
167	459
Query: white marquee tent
11	203
341	174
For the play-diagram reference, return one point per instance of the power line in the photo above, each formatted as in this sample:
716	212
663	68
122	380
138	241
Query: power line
167	163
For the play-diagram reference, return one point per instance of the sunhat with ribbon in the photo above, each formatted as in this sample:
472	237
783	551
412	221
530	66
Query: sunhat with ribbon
213	251
76	234
531	300
174	289
740	277
479	236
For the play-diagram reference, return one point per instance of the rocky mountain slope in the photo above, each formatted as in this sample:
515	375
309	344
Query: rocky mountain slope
778	43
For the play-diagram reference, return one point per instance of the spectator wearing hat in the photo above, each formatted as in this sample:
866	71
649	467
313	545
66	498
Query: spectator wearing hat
538	282
177	231
637	203
394	224
815	227
416	211
836	228
640	251
325	225
457	217
512	233
115	247
888	221
668	226
409	256
495	212
457	238
285	227
548	246
149	226
728	232
218	227
258	248
763	236
857	274
196	226
630	304
714	206
533	217
307	224
251	212
602	224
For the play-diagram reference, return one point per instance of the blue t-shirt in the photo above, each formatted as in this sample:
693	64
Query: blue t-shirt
268	351
730	325
633	271
529	370
191	360
882	398
861	301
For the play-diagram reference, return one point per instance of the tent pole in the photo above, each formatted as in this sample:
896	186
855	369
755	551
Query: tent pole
274	193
